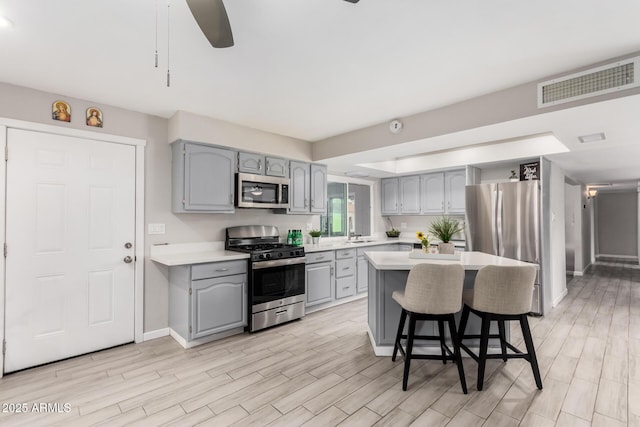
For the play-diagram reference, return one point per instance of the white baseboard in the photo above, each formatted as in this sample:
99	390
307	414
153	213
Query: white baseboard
560	297
158	333
193	343
631	257
578	273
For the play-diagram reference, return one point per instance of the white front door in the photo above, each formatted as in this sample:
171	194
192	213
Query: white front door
70	224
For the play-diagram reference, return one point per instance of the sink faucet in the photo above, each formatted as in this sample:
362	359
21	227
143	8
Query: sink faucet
349	227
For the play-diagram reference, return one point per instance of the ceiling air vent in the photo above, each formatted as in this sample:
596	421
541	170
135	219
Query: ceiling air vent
585	84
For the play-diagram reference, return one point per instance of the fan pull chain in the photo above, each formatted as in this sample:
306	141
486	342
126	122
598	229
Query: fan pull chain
168	43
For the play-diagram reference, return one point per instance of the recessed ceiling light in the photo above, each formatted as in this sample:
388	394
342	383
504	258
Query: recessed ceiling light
5	22
594	137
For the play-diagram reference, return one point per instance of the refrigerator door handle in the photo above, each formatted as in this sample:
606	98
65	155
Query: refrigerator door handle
494	241
500	251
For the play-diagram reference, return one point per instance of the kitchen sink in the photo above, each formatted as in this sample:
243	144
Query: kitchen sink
359	241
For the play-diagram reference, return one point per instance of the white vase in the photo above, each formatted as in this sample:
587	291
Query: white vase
315	240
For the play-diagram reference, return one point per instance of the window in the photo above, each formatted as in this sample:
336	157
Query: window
348	210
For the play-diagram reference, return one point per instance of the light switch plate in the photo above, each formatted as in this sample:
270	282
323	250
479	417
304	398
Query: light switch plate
155	229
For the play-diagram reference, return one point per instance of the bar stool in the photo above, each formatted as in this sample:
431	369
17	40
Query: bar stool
500	294
432	292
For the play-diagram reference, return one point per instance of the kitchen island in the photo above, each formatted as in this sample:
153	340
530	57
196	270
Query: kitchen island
388	272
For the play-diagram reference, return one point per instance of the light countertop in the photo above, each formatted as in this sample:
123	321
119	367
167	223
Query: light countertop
343	244
193	253
469	260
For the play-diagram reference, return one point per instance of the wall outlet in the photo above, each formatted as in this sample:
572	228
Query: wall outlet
403	226
309	226
155	229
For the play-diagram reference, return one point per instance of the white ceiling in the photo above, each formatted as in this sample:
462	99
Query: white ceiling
314	68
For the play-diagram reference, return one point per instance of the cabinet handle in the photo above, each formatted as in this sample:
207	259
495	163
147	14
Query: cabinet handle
345	268
320	257
259	165
222	269
332	270
281	312
346	288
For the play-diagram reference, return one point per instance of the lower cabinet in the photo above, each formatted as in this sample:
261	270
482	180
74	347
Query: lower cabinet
319	277
207	299
218	304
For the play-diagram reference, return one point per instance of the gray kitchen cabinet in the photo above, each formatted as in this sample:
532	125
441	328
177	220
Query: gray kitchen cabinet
443	193
432	193
207	299
202	178
299	189
345	273
318	189
454	190
389	196
307	188
409	189
362	279
259	164
276	166
319	277
251	163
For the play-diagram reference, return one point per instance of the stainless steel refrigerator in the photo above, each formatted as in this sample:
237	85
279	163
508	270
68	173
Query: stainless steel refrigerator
504	219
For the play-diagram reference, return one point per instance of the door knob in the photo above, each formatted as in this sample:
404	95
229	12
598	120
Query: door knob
128	259
128	245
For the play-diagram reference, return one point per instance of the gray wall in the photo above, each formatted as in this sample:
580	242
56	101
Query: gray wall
617	223
586	209
35	106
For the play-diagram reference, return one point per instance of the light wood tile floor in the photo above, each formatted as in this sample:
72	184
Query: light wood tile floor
321	371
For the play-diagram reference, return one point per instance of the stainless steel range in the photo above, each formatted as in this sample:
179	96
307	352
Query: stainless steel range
276	275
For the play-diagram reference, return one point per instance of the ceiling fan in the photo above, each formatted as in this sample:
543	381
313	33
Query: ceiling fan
212	18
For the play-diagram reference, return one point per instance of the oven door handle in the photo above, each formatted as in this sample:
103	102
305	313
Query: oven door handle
278	262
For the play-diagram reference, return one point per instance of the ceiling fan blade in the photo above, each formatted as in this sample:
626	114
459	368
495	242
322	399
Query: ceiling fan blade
212	18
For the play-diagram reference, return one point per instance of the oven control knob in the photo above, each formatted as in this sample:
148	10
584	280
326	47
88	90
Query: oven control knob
279	254
267	256
298	253
261	256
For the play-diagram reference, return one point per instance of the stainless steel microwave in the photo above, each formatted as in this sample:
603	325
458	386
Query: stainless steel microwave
261	191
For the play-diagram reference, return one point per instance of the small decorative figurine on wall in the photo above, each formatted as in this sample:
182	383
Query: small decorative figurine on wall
60	110
94	117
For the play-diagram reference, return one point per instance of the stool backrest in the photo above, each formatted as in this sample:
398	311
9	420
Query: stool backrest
434	288
504	290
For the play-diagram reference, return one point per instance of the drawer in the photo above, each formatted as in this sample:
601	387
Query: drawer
345	287
345	253
345	267
218	269
313	257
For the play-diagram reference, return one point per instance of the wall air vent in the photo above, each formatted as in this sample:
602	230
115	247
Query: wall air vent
585	84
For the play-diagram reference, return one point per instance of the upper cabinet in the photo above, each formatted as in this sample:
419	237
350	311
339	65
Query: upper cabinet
308	188
454	191
259	164
276	166
299	189
202	178
432	194
389	196
318	202
428	194
409	187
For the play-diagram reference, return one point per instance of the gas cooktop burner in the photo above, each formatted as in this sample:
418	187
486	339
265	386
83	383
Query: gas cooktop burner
262	247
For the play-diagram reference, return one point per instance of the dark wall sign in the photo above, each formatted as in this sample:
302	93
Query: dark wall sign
530	171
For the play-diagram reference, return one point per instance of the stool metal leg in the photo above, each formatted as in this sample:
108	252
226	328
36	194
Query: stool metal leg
407	357
403	318
526	333
484	344
503	341
456	351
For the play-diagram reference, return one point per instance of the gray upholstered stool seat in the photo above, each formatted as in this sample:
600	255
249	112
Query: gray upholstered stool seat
433	292
500	294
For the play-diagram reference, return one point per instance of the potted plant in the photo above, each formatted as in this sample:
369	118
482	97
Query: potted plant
315	236
444	228
393	232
